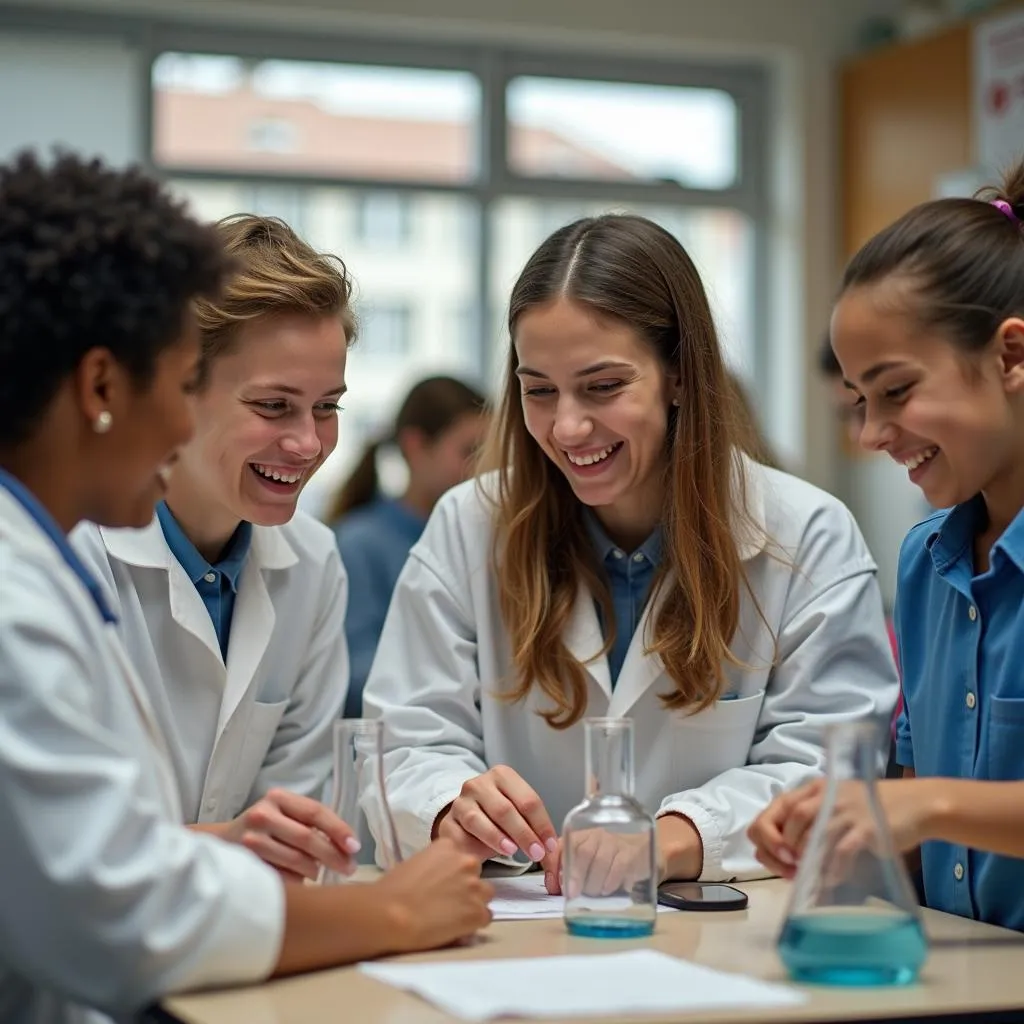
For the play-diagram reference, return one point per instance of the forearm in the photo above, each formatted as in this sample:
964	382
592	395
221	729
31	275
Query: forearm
211	828
983	815
680	849
337	925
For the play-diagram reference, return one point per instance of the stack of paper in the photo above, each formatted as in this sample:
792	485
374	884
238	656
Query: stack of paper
642	981
525	898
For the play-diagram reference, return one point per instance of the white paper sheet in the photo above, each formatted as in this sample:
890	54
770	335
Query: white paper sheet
525	898
642	981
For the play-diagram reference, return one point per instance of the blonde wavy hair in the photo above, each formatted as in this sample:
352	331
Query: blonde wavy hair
632	270
276	272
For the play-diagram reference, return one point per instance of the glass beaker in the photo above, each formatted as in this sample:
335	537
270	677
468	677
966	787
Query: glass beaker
853	917
609	860
358	794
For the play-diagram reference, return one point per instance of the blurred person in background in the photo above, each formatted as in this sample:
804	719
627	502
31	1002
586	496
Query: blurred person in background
438	429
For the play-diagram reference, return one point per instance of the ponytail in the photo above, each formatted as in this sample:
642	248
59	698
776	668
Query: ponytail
361	486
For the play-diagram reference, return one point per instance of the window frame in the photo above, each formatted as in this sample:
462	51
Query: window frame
748	81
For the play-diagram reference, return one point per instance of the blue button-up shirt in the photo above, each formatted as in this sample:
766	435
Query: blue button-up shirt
630	575
374	542
217	584
961	641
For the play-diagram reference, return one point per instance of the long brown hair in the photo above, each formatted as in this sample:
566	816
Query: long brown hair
632	270
431	406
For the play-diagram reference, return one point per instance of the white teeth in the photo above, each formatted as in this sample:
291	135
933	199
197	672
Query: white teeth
589	460
275	474
921	458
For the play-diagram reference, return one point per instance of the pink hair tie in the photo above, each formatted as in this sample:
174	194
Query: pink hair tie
1004	207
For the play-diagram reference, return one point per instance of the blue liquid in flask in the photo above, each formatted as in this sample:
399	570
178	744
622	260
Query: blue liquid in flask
598	927
845	947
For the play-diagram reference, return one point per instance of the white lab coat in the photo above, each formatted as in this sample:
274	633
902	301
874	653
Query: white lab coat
444	654
263	719
107	900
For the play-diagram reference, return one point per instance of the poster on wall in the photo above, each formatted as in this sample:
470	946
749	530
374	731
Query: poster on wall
999	90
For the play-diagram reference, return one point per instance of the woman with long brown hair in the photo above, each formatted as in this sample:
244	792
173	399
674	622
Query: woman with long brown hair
624	558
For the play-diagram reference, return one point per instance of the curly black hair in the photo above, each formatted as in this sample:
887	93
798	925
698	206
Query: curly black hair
90	256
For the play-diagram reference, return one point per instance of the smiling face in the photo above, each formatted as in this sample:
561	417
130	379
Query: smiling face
595	397
947	415
266	420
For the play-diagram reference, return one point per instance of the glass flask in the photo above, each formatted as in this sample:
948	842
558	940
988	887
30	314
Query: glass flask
609	865
853	917
358	795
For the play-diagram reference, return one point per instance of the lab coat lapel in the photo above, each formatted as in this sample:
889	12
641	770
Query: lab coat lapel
252	622
641	669
584	640
148	549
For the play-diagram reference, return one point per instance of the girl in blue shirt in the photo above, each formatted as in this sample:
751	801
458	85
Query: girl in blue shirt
929	330
438	429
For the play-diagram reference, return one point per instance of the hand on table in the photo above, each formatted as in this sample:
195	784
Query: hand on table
780	833
498	814
294	834
437	897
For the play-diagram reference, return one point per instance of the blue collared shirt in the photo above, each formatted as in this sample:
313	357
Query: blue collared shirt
374	543
630	576
961	641
35	508
217	584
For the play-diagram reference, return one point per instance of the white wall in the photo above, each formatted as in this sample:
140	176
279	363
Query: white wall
80	93
84	93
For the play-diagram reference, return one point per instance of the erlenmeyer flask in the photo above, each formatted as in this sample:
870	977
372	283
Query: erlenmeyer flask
853	917
609	861
358	794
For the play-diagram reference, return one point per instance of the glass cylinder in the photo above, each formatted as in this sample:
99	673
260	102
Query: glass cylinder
853	917
609	858
358	795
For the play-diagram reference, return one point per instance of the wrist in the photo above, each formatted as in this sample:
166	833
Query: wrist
441	815
938	798
680	848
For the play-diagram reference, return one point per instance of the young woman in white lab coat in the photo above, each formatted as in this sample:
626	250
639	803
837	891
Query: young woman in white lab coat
625	559
109	902
230	602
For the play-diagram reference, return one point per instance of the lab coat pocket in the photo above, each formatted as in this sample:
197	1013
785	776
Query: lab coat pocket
1006	739
260	729
710	742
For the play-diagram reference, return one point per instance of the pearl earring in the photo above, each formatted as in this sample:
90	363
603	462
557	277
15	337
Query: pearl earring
675	402
103	422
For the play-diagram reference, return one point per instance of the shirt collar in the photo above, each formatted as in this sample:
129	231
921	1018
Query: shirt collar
194	564
606	547
954	536
35	508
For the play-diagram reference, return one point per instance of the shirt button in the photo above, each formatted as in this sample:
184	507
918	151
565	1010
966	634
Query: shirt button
972	613
211	577
616	553
958	871
638	557
209	805
971	701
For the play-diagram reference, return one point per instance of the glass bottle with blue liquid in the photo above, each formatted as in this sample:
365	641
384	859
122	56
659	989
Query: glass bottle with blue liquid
853	916
609	857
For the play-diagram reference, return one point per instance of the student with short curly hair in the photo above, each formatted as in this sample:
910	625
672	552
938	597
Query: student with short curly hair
231	602
108	901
